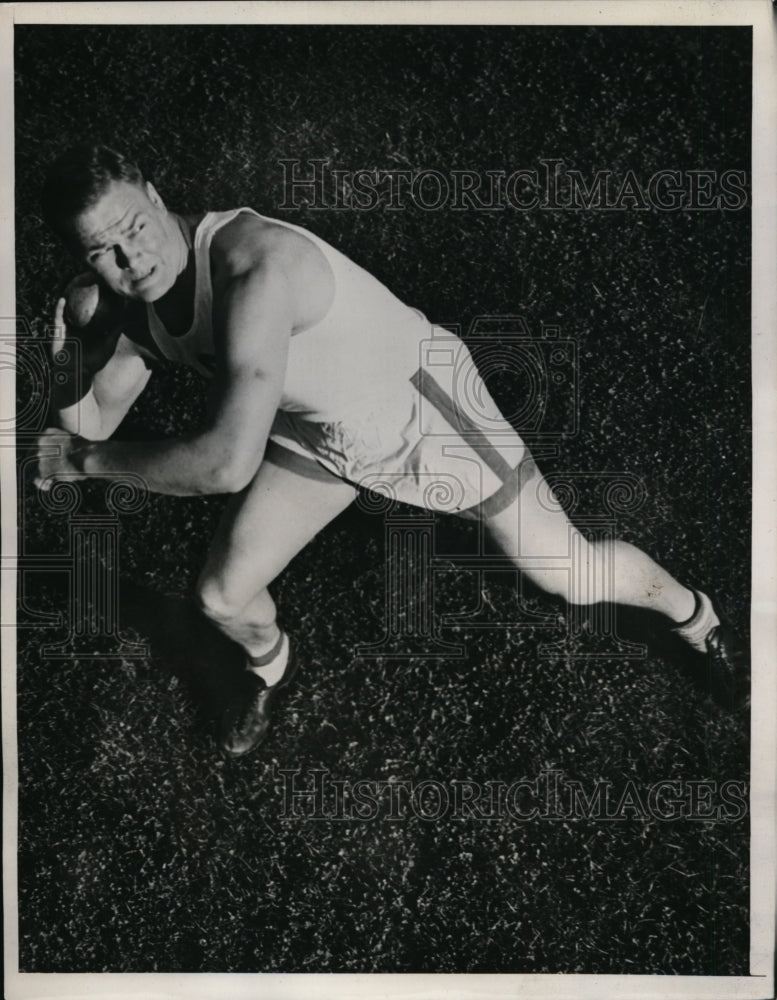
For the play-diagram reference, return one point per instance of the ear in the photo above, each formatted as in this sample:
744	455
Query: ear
153	195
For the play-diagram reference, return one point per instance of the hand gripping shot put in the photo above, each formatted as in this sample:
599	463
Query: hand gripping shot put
320	386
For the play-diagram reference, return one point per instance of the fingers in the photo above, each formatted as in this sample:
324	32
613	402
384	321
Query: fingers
51	446
60	330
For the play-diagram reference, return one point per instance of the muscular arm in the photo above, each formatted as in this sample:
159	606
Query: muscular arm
253	318
112	392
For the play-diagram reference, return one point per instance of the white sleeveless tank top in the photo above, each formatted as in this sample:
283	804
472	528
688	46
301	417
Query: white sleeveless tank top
359	354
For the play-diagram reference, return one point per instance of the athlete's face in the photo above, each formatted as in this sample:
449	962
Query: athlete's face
130	240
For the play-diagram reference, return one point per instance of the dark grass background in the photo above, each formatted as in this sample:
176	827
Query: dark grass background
140	848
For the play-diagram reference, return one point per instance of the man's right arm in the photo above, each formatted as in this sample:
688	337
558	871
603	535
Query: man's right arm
103	371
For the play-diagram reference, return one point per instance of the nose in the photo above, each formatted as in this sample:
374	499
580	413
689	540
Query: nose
125	258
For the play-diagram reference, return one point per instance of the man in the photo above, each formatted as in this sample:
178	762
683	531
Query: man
321	384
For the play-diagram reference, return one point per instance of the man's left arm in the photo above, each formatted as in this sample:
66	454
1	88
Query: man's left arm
253	318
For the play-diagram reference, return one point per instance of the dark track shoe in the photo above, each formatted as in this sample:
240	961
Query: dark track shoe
246	720
723	670
727	664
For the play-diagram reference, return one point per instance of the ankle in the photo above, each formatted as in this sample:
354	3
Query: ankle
684	607
696	628
271	666
263	644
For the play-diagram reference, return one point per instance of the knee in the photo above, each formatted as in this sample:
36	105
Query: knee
218	602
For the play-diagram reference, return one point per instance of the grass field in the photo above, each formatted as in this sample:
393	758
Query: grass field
140	848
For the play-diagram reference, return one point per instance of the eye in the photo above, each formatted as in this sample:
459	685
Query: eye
136	229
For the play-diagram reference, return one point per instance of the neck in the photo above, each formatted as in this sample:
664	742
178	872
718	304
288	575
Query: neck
171	303
185	243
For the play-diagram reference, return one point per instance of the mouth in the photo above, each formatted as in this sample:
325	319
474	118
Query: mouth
144	278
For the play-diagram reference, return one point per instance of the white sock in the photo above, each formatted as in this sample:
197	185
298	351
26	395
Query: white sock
271	666
698	626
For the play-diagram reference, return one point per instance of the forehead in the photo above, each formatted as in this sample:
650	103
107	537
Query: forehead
113	210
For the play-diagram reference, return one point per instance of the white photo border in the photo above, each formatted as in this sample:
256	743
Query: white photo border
760	983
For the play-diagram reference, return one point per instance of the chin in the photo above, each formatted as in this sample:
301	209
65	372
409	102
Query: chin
151	292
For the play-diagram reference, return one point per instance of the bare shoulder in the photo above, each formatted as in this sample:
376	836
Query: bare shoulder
248	242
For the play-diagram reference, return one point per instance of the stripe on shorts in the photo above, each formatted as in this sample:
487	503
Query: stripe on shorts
505	495
512	479
293	461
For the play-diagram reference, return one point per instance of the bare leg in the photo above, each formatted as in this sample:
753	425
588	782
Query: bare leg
537	535
262	529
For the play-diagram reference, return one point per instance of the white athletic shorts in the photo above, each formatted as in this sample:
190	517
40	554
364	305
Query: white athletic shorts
434	440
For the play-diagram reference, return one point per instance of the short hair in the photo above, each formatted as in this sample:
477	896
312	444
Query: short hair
77	179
